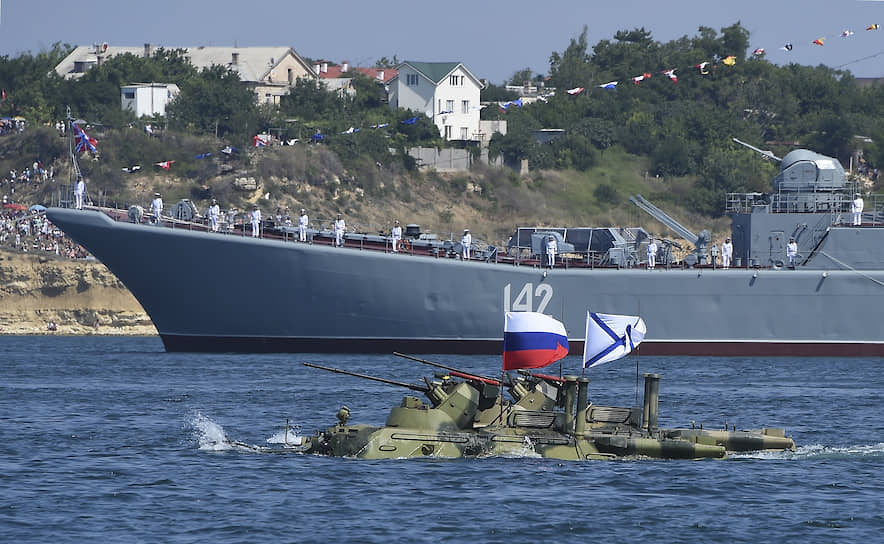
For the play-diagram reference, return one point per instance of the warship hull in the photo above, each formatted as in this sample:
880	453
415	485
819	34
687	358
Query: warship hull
213	292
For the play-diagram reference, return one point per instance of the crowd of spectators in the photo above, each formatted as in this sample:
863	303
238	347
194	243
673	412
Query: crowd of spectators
32	174
8	125
31	232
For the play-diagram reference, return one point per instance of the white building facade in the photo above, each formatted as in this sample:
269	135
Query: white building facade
447	92
147	99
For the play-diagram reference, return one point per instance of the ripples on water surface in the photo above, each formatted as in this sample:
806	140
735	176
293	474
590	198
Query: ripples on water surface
111	439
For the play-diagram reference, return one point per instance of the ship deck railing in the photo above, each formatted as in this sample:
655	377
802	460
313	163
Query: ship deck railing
412	246
836	204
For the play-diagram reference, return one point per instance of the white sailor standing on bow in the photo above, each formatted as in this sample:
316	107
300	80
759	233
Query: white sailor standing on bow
303	221
396	234
340	227
79	191
856	208
466	240
156	207
551	248
791	252
214	214
727	250
255	218
652	254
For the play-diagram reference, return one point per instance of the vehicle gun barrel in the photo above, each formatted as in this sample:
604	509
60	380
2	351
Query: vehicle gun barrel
453	371
412	386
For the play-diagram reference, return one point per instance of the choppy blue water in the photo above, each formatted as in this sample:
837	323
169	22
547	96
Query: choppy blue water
112	439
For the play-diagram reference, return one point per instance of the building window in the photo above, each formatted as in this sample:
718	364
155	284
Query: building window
447	132
456	81
291	76
464	133
465	106
411	80
449	105
130	95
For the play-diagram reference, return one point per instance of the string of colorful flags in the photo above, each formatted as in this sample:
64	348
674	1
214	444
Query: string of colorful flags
703	68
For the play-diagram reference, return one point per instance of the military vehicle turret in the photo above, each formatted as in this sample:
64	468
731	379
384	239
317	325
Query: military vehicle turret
547	416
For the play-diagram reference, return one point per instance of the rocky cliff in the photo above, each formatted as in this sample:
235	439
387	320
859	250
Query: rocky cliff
79	296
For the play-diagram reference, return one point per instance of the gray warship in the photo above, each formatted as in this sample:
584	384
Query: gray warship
230	292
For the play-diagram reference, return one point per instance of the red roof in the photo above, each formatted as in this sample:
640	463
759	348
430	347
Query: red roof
337	71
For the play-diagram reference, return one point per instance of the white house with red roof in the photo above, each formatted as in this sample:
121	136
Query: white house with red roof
338	76
447	92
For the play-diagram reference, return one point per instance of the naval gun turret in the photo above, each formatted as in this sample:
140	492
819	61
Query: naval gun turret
700	242
810	203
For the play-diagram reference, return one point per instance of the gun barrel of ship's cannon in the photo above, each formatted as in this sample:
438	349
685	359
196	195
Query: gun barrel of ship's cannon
766	154
412	386
454	371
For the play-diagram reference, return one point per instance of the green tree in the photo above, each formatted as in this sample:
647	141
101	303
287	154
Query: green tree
215	102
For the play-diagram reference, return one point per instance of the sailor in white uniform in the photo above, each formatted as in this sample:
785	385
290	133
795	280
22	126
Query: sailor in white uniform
255	218
466	240
727	250
551	249
79	191
856	208
792	252
214	214
303	221
156	207
340	227
652	254
397	235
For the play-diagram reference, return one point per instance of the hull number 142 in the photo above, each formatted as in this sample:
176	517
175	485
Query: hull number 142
528	299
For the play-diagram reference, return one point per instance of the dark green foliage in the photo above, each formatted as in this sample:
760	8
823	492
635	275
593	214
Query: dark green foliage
215	102
606	194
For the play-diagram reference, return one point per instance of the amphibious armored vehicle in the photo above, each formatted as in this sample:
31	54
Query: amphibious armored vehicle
546	416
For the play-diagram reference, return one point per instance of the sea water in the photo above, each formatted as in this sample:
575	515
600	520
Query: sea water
113	440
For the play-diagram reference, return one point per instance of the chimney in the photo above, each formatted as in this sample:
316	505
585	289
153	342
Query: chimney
380	75
316	68
234	58
324	67
148	50
345	66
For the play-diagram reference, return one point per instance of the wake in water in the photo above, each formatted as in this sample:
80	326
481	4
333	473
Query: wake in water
211	437
818	451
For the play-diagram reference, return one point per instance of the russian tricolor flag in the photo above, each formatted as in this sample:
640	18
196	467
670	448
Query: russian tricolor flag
532	340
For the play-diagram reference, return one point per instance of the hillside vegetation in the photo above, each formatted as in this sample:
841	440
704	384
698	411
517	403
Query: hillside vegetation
669	140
